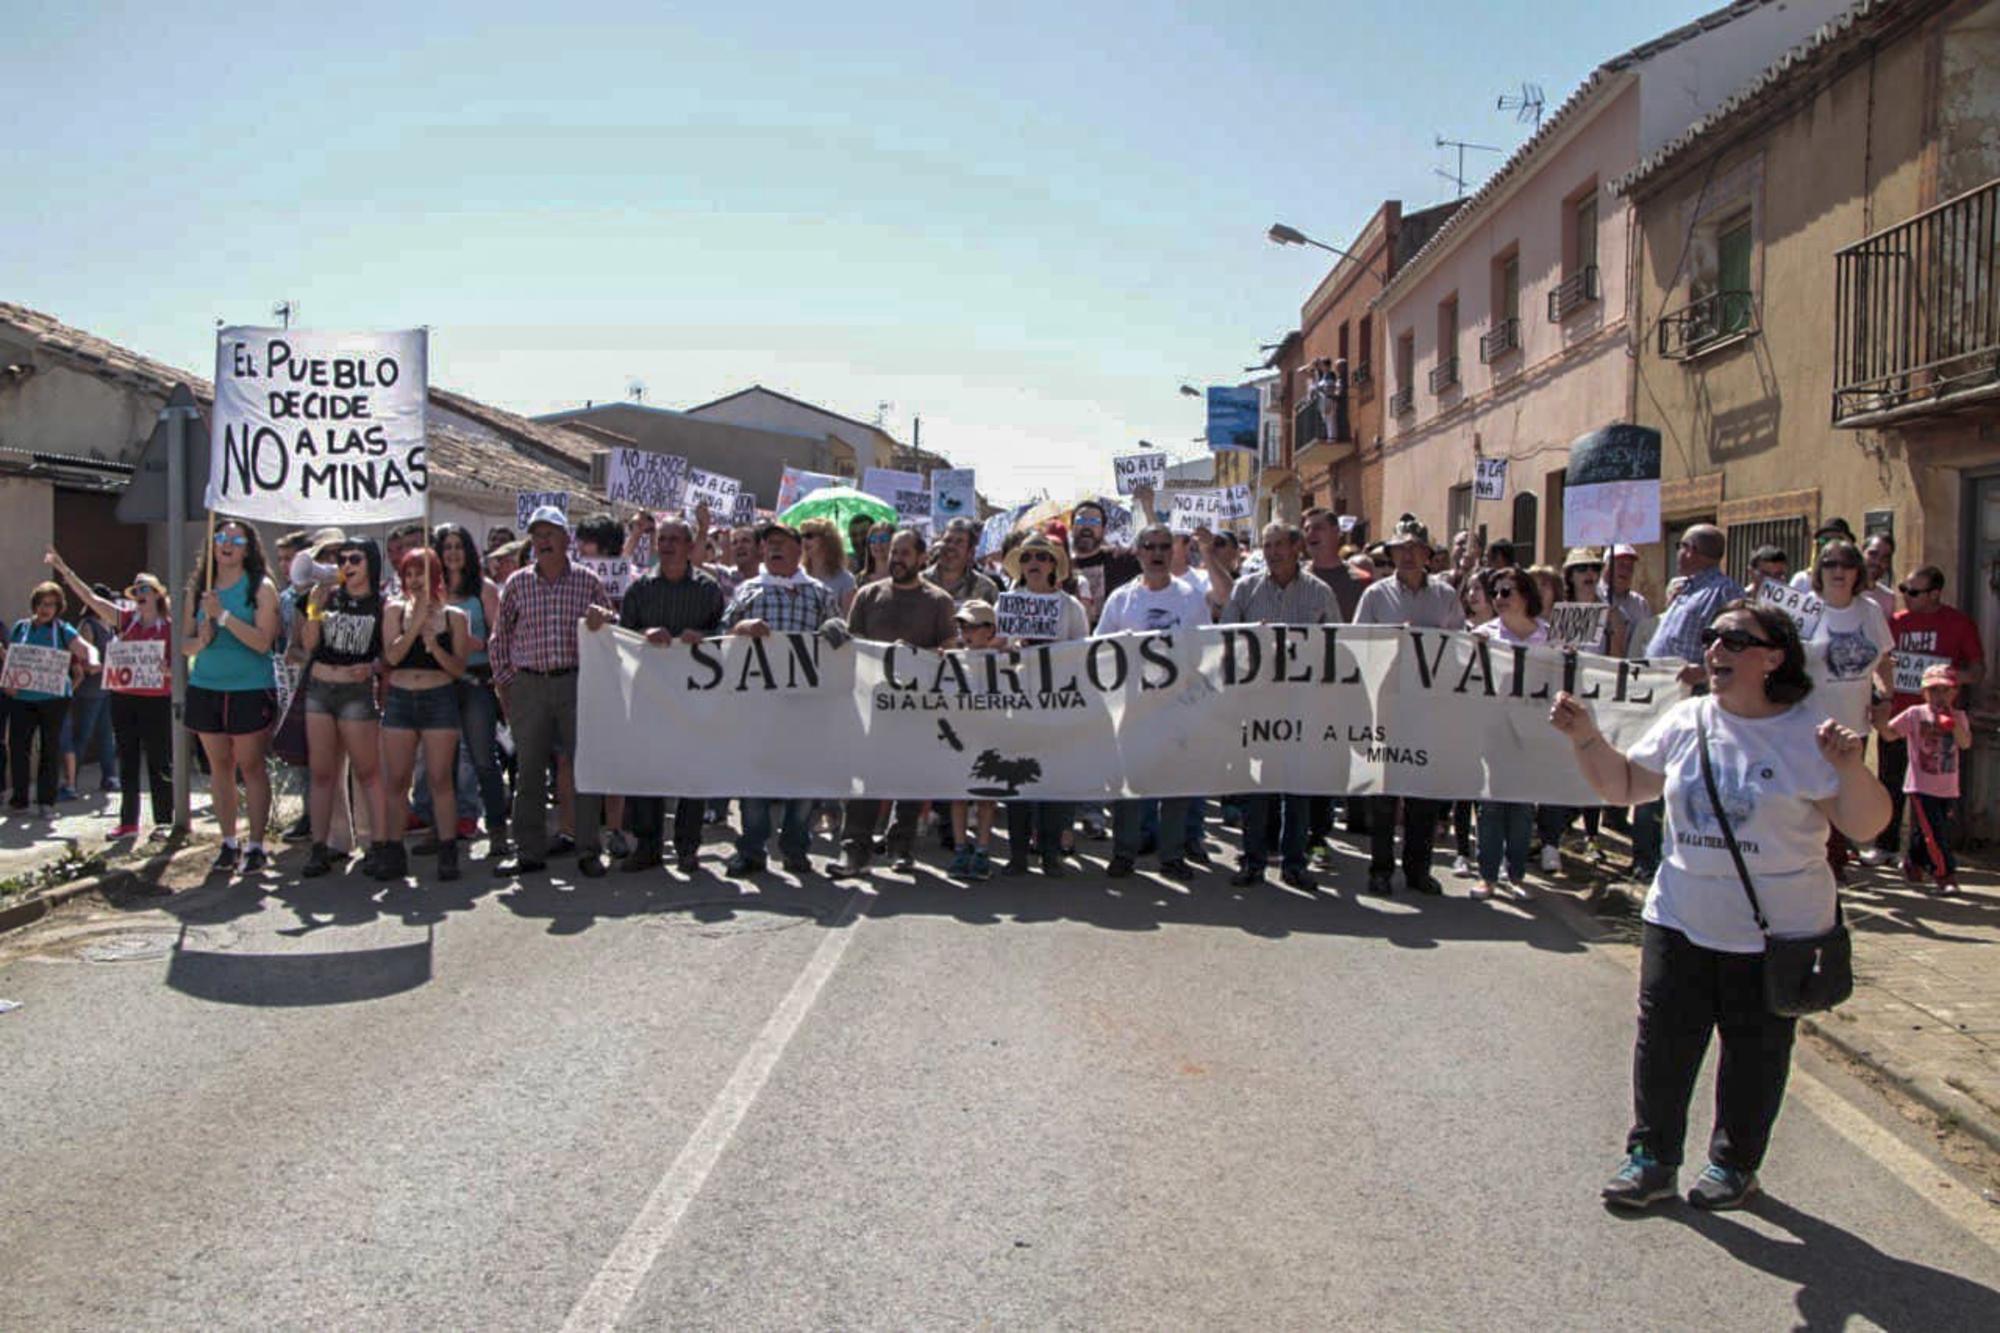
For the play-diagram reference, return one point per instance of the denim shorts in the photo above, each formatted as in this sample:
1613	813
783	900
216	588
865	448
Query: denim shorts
343	700
435	709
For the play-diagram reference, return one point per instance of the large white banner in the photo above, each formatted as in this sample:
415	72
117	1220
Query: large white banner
312	427
1322	709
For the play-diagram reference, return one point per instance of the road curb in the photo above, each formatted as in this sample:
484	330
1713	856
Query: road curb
1933	1094
39	905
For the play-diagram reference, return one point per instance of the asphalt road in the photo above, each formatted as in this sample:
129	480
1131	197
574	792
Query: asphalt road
648	1102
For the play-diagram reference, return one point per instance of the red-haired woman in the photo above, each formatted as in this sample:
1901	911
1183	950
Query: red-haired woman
425	642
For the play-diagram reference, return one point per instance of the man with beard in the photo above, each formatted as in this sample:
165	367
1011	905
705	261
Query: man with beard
1100	571
902	608
952	569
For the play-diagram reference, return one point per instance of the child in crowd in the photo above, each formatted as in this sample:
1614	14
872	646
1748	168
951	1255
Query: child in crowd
978	629
1936	733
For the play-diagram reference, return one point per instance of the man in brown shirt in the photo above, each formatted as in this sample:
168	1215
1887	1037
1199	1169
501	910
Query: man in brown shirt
902	608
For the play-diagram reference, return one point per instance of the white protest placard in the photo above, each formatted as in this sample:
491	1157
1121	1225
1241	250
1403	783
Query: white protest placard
797	483
1119	528
30	666
745	512
1801	604
527	502
953	495
1578	624
884	482
1348	522
912	507
1207	508
644	479
1239	501
315	427
719	491
1489	479
614	572
1029	615
1611	487
994	534
135	665
1134	470
1910	668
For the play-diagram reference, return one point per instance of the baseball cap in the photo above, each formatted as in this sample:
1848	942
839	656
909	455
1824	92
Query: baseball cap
1940	674
1621	550
977	611
548	514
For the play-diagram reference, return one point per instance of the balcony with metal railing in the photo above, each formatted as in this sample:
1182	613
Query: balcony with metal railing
1707	322
1403	401
1573	293
1361	380
1917	314
1444	374
1496	342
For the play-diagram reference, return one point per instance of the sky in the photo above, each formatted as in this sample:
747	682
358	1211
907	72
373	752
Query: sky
1026	224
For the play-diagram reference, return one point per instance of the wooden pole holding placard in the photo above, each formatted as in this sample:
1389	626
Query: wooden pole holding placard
177	419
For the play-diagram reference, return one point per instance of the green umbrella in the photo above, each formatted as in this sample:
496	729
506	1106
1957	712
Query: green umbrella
840	504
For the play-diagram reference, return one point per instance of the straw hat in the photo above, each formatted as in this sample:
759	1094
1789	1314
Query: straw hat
1409	530
1582	555
1043	544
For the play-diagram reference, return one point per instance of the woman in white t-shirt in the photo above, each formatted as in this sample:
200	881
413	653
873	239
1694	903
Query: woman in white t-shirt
1504	826
1784	772
1849	656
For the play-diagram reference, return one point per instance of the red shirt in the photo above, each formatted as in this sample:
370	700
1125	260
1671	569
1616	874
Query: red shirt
160	631
1947	633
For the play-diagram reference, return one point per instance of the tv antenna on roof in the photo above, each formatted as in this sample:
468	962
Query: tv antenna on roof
1457	178
1526	105
285	311
636	391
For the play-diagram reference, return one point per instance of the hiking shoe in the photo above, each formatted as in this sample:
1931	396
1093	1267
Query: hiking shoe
961	862
1640	1183
1721	1188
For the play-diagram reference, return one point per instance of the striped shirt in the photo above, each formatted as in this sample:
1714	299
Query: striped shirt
538	615
1303	601
797	605
693	601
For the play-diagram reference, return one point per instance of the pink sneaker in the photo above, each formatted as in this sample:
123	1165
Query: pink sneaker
124	831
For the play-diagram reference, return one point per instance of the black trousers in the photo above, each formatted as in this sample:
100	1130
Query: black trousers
1045	819
1892	762
1686	992
143	726
29	719
648	814
857	827
1420	818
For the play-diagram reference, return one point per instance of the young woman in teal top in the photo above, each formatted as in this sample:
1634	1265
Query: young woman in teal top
35	713
478	712
232	699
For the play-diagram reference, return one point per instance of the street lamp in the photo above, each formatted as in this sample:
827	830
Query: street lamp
1280	234
1189	391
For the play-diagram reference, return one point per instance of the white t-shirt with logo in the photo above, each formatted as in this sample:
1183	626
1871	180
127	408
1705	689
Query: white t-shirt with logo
1769	772
1134	606
1841	658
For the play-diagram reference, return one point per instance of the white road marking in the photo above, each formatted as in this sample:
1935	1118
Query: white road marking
1959	1202
611	1292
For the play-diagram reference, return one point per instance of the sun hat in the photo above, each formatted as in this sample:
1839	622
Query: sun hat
1044	545
1582	555
1941	673
977	611
1408	531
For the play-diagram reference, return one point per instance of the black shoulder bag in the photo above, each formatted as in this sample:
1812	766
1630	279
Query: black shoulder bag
1802	975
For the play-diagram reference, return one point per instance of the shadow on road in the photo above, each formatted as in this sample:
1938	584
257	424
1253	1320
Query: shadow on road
347	976
1841	1277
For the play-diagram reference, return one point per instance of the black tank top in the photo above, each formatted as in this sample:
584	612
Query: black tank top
420	658
350	632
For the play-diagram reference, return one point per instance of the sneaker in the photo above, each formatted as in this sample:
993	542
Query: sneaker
645	855
1640	1183
961	863
1425	884
111	784
1481	891
740	866
617	844
797	863
516	864
448	861
65	793
46	813
301	830
1322	857
687	862
1053	868
1093	827
561	845
418	824
1380	886
905	862
124	831
255	861
1177	870
1514	889
1552	859
1593	849
1119	867
1460	866
225	860
468	829
318	862
392	863
1298	878
1016	867
1874	856
1246	877
1198	853
982	864
1721	1188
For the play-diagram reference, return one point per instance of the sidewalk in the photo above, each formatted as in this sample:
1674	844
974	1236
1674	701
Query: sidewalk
1926	1007
81	829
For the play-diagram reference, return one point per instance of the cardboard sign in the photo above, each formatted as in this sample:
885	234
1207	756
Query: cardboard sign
1611	488
644	479
1801	604
313	427
30	666
1578	624
1489	479
797	483
527	502
953	495
1910	668
1119	528
1348	522
1209	508
717	490
135	665
884	482
994	534
1134	470
1029	615
1234	414
912	507
615	573
745	512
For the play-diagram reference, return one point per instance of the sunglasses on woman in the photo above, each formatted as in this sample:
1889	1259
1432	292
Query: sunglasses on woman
1504	590
1037	558
1586	569
1735	640
353	558
880	539
231	539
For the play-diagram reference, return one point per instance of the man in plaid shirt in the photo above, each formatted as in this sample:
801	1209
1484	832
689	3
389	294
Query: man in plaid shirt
782	599
533	650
